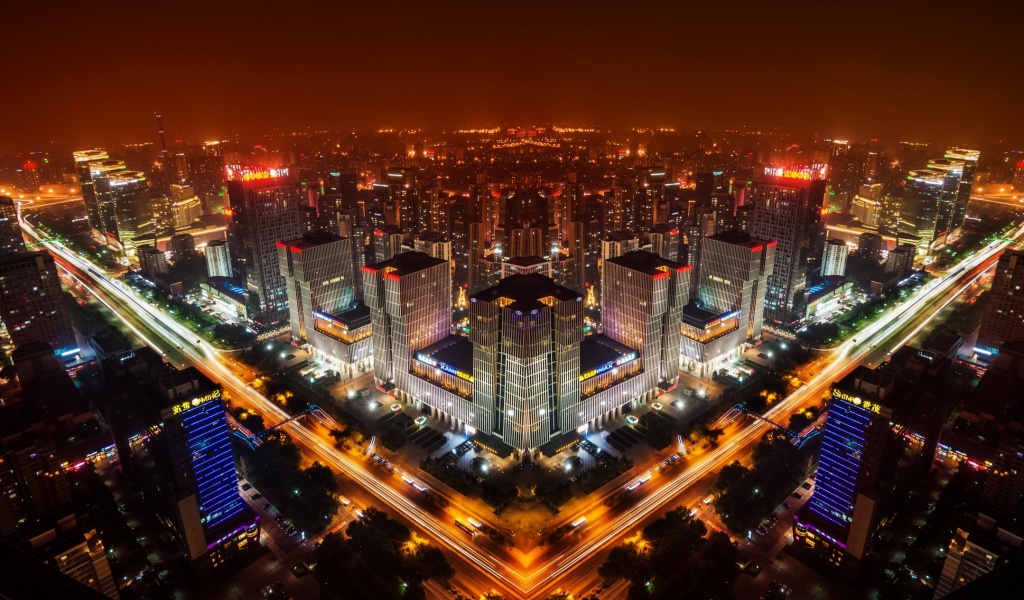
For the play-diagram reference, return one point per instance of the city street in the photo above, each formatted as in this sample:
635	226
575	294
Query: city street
571	564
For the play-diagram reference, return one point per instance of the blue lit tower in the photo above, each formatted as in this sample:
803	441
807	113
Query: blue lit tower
173	440
880	434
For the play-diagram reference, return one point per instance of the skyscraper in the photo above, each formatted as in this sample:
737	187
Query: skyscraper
320	280
11	239
410	300
881	433
94	169
266	208
32	304
185	460
969	159
131	202
1004	313
218	259
526	333
84	159
787	209
727	308
76	550
642	299
833	260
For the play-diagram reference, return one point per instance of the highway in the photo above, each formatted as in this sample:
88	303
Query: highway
482	565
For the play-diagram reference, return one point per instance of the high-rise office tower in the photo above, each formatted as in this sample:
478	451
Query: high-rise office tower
152	261
218	259
642	299
833	260
969	159
318	277
132	208
1004	313
34	484
727	307
410	300
648	184
403	204
870	245
84	160
94	170
32	304
11	239
526	333
76	550
787	209
933	201
867	462
435	215
387	243
900	260
266	208
186	461
183	246
665	240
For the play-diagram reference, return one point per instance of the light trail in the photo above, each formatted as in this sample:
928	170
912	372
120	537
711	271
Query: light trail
509	580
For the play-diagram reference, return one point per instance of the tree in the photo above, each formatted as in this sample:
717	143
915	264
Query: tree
659	435
674	548
430	563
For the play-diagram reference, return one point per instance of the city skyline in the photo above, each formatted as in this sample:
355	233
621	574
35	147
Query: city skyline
548	301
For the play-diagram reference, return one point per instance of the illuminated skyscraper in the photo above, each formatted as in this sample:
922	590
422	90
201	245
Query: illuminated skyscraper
787	209
880	436
11	238
727	308
969	158
32	304
320	279
132	208
266	208
94	169
526	333
218	259
184	457
833	260
642	299
410	300
1004	313
403	205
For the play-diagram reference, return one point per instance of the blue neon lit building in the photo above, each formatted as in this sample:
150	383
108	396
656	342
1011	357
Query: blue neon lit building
839	463
211	462
880	435
173	440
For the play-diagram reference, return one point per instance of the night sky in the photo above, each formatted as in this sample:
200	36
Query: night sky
94	72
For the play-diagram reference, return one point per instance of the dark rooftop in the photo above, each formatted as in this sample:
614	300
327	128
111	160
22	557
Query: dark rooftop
431	236
525	291
311	239
739	238
355	317
647	262
454	351
699	316
598	350
526	261
406	263
620	236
